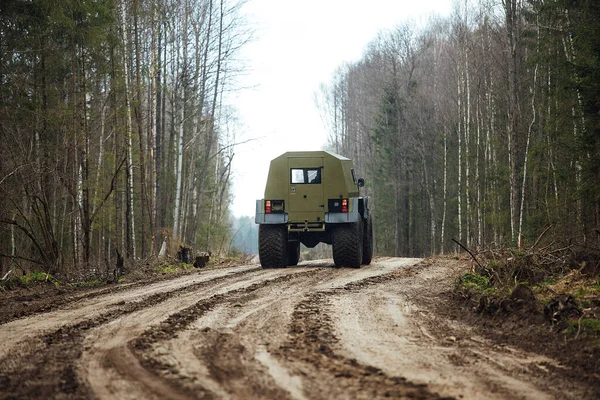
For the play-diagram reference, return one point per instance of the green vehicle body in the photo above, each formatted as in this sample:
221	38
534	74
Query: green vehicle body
313	197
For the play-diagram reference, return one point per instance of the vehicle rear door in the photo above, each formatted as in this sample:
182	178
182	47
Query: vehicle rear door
306	189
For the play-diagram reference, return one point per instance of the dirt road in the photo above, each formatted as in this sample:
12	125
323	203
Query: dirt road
308	332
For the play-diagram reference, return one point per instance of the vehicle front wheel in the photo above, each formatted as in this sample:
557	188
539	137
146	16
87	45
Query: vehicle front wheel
347	245
367	255
273	245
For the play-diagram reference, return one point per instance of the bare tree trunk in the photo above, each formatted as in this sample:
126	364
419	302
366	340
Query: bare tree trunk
100	156
430	198
478	179
211	123
203	83
85	209
397	213
460	155
76	172
512	30
445	190
152	106
130	214
176	212
519	244
570	55
551	167
467	132
532	90
140	126
490	151
118	234
158	221
183	79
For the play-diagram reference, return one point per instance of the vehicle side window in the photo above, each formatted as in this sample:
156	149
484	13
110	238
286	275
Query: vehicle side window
305	175
353	176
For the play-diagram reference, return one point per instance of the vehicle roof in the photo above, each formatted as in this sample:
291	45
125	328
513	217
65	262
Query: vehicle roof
318	153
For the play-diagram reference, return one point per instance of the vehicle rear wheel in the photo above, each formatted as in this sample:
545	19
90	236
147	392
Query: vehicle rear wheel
367	255
347	245
293	253
273	245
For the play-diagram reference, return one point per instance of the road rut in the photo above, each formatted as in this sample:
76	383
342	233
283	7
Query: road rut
307	332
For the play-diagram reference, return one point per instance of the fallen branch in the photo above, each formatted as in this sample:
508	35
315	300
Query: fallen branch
468	251
5	277
542	235
543	249
561	249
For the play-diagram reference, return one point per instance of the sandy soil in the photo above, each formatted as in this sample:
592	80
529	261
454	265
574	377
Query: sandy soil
307	332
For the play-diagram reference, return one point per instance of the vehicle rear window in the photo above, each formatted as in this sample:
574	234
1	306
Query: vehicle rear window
305	175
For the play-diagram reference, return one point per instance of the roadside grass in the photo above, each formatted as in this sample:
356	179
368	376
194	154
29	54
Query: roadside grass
133	272
474	282
36	279
28	280
171	268
586	325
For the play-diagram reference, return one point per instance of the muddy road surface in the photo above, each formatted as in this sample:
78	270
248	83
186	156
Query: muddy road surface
306	332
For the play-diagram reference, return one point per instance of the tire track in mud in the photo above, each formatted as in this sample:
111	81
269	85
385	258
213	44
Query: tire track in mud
47	365
233	368
56	365
27	329
59	299
225	351
392	325
308	353
311	348
118	363
182	319
35	305
308	332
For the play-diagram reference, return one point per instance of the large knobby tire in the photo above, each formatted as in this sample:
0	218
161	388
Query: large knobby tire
273	245
293	253
367	254
347	245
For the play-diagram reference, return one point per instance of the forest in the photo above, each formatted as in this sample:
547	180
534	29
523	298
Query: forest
115	137
483	127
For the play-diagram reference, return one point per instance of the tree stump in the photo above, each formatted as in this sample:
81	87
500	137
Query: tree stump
201	260
184	254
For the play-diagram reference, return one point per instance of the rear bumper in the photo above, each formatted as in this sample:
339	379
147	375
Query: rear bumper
262	218
330	217
353	215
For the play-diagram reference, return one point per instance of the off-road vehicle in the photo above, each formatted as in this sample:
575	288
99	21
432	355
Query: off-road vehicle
313	197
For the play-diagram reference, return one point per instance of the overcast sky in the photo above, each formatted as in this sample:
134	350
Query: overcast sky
298	46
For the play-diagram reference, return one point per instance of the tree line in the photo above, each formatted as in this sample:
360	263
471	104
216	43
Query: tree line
483	126
115	136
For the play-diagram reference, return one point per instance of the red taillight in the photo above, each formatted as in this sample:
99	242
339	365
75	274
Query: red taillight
345	205
268	207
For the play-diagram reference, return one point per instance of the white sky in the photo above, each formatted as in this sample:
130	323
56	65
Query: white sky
298	46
